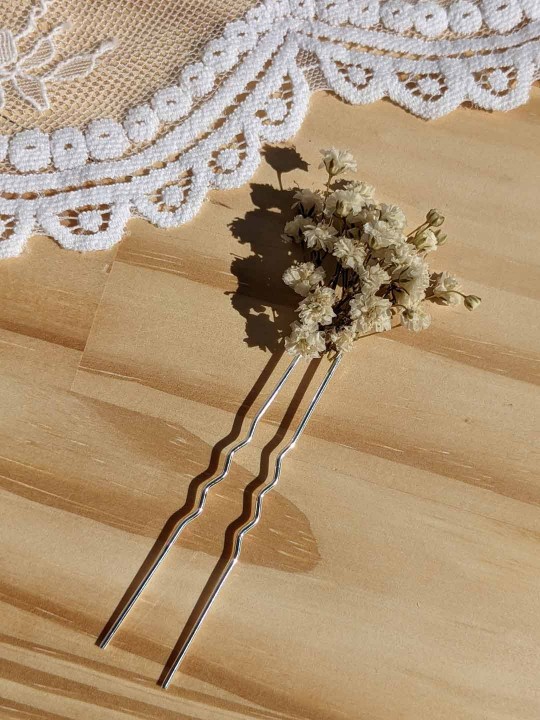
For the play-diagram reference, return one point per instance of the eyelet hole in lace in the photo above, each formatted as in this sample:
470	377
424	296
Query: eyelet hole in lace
86	220
428	86
229	158
357	75
7	227
499	81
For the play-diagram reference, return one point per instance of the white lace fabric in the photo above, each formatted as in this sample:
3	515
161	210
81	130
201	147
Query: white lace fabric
154	143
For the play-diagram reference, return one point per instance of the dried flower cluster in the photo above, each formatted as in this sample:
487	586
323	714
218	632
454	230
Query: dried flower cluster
377	270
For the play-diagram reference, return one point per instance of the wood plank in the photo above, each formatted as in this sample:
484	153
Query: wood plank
396	571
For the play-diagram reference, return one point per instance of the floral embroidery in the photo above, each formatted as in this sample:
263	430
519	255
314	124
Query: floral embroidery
205	131
22	69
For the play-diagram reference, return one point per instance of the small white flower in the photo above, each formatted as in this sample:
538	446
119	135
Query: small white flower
413	279
303	277
308	201
381	234
305	340
426	241
317	308
371	313
343	339
362	189
369	214
416	269
372	278
320	237
337	161
344	202
293	230
399	255
415	318
351	254
444	287
393	215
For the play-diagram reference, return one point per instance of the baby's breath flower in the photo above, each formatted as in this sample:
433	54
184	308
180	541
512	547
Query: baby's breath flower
368	214
343	339
293	230
303	277
305	340
381	235
378	268
425	241
415	318
362	190
344	202
320	237
471	302
370	313
393	215
308	202
337	162
444	288
415	272
317	308
372	278
349	252
400	255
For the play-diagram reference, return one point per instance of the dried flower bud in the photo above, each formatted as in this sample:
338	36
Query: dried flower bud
434	218
441	237
471	302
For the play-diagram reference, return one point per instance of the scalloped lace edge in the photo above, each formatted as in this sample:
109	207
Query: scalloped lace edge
207	131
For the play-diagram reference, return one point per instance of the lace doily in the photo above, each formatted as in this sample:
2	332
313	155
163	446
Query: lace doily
140	109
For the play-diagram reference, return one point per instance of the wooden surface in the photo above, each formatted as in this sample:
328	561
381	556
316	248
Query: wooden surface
396	572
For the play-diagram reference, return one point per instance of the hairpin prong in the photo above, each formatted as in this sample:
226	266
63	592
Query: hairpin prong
180	654
130	601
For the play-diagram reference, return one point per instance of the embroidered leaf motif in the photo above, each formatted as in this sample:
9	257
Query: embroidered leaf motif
14	68
74	67
31	89
42	53
8	49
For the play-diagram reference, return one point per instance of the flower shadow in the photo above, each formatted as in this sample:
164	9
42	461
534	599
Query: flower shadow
262	298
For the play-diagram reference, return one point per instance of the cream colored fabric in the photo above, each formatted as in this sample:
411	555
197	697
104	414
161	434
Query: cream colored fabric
154	39
114	108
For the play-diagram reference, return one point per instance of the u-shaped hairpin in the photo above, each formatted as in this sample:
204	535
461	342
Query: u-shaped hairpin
130	601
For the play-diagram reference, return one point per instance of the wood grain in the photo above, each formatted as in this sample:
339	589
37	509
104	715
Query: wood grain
395	574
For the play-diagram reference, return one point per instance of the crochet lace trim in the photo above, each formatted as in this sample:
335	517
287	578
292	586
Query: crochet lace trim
252	86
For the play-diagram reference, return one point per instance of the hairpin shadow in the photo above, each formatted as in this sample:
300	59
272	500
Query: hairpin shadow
261	297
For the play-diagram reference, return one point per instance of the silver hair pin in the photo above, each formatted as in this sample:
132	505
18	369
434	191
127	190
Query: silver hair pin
126	606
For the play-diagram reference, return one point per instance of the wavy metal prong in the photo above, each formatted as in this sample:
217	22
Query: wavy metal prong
132	599
181	653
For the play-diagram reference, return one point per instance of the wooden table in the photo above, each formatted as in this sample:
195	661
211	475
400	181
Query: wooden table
395	574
